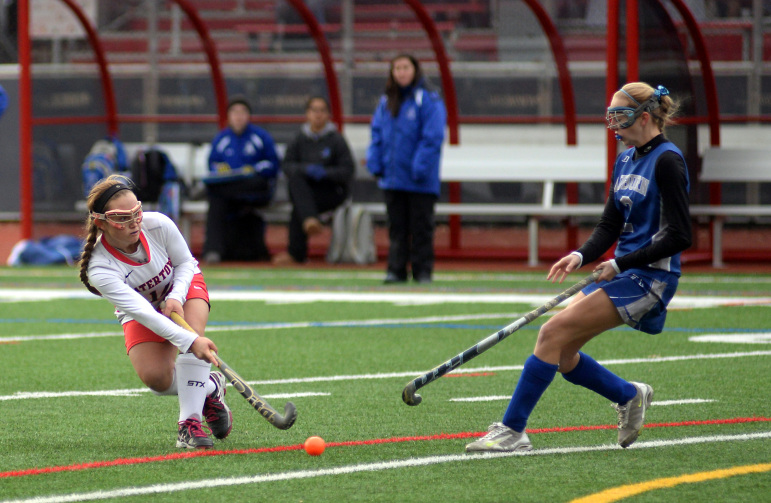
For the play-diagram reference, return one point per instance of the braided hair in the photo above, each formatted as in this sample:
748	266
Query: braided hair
98	197
666	109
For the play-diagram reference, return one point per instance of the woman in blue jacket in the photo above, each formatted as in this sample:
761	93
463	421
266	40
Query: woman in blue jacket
407	135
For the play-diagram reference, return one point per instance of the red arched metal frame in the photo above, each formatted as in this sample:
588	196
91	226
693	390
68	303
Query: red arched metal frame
26	121
335	101
451	101
211	55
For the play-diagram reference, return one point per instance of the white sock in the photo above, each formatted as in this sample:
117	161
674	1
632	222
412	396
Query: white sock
192	375
210	386
172	390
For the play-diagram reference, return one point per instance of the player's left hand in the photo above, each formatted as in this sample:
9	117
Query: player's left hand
169	306
607	271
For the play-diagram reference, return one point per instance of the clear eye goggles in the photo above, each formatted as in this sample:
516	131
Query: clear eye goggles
121	218
622	117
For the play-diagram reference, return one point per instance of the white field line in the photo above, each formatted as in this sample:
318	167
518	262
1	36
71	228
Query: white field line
495	398
748	338
413	374
396	298
287	325
372	467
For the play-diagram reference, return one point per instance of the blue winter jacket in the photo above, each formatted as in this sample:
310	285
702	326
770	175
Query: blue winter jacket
3	101
253	148
405	150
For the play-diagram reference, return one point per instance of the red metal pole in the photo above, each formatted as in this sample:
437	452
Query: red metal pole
25	119
632	41
335	101
107	87
451	102
568	101
710	87
611	79
220	91
561	62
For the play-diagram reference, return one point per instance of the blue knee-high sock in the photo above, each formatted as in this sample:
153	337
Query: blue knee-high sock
591	375
535	378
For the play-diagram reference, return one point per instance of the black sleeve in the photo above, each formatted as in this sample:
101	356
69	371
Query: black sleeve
671	177
291	162
340	168
605	233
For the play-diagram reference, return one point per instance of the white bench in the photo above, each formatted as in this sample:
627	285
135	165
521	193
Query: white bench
732	165
545	164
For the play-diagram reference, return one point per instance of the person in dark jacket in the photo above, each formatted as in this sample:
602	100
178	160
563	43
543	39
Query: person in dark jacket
243	166
407	134
319	168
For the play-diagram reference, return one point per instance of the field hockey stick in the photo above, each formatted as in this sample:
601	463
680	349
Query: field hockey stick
260	405
411	398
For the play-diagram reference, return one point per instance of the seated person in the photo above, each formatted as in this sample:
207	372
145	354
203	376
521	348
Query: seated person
243	166
319	168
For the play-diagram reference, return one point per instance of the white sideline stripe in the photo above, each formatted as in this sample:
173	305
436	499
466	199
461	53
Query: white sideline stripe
272	326
748	338
372	467
682	402
24	395
495	398
413	374
398	298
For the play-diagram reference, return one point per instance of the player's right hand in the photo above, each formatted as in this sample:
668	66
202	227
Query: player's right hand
204	348
563	267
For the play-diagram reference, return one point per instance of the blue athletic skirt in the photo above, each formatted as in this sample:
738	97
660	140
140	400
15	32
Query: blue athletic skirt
641	297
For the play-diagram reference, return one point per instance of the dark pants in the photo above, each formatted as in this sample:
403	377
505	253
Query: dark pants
411	233
230	205
309	199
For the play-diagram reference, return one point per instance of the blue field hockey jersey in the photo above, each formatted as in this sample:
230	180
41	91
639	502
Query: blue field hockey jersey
638	197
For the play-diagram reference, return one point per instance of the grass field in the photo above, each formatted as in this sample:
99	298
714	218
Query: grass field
79	426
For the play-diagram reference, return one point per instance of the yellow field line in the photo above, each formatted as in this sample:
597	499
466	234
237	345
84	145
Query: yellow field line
621	492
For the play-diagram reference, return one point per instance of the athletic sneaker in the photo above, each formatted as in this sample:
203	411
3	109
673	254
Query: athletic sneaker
631	415
501	438
217	413
192	436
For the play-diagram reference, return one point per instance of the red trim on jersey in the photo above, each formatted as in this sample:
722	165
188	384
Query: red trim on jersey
120	256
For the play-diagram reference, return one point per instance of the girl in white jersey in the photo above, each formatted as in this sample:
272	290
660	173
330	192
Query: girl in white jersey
646	216
137	260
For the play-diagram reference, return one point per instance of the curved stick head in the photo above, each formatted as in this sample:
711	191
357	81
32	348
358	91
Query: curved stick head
287	420
409	396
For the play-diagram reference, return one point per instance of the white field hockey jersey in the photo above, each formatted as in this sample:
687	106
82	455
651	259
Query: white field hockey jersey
136	289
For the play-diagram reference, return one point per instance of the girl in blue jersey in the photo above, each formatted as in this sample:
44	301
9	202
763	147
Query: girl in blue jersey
407	135
646	216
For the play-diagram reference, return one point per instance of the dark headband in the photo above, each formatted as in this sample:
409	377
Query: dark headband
102	200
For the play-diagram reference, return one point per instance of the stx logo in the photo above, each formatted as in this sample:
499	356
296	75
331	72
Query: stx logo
196	384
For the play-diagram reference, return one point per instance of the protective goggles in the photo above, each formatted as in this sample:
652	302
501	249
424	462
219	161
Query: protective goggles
623	117
121	218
